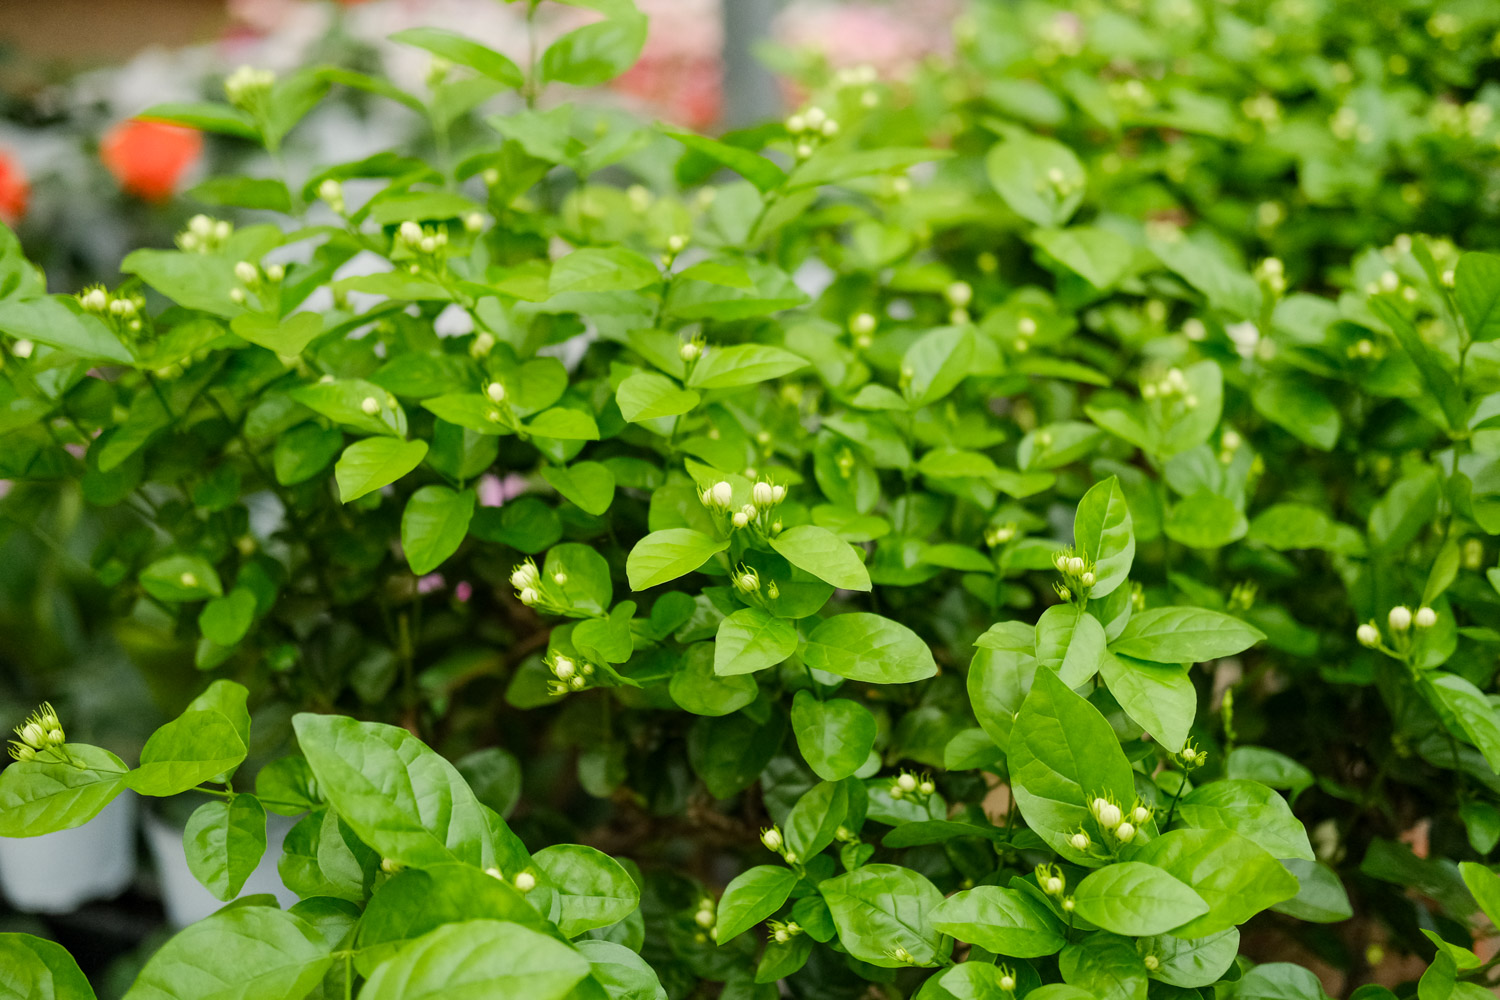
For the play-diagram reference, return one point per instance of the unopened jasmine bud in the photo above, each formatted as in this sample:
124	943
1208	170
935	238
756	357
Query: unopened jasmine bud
237	296
781	935
771	839
862	325
410	232
704	918
577	682
1053	885
927	788
560	578
563	667
1107	813
484	343
676	242
1076	564
1087	579
1400	618
739	519
689	351
428	244
830	129
960	294
370	405
749	580
796	124
763	494
529	596
902	955
815	117
1151	962
804	150
525	881
1067	905
1079	841
1425	618
1125	832
908	782
1007	982
276	272
1140	815
496	392
391	866
1368	635
246	272
723	493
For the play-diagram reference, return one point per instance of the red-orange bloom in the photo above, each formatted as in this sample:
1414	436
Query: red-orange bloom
13	190
149	158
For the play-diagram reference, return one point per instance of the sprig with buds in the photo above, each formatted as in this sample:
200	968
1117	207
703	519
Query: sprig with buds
524	881
41	737
907	785
810	128
783	931
204	234
568	675
959	294
537	590
249	89
1077	573
263	283
1406	633
121	311
428	245
1170	394
772	840
756	516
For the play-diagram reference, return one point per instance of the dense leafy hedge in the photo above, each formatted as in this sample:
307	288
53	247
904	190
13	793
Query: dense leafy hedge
973	529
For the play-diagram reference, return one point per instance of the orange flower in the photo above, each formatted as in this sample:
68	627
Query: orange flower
148	158
13	190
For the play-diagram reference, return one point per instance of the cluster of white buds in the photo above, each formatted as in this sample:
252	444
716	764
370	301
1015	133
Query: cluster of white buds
41	734
1077	572
1271	273
772	840
810	127
247	87
331	191
862	327
1049	878
705	916
860	76
254	279
123	310
783	931
427	240
1191	758
997	535
959	294
908	786
676	243
204	234
524	881
568	674
1116	822
1401	620
1171	386
527	580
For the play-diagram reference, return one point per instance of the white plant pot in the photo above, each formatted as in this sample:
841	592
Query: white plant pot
59	872
184	897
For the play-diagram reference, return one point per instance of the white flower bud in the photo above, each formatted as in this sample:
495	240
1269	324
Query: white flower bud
1140	814
1076	564
739	519
370	405
473	222
804	150
1007	982
704	918
771	838
830	129
237	296
1067	905
1107	813
247	272
781	936
222	229
959	294
529	596
1026	326
1079	841
577	682
723	493
763	494
1367	634
410	232
815	117
676	242
201	226
525	881
908	782
1087	579
23	348
1125	832
563	667
496	392
1426	618
862	325
428	244
927	788
1400	618
1054	885
94	300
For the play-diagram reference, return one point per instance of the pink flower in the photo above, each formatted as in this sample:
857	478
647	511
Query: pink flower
430	583
463	591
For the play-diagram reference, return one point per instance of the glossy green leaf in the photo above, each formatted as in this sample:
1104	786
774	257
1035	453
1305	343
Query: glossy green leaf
866	647
369	465
752	639
835	736
433	526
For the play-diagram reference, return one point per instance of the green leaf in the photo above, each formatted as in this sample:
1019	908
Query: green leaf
1485	886
1004	921
1320	899
1041	180
1136	900
751	897
696	688
1100	256
58	322
181	578
1279	981
42	796
835	736
206	116
596	53
823	554
1160	697
1205	520
1441	385
37	969
369	465
199	745
665	555
433	526
1105	965
1299	409
565	424
1476	287
1104	535
1063	754
1184	635
240	952
646	396
742	364
588	484
265	193
1071	642
938	362
752	639
479	958
400	798
225	620
305	451
879	908
832	165
288	337
812	823
224	841
866	647
457	49
609	269
1234	877
755	168
594	890
1408	507
1476	717
623	974
1253	811
1192	964
1289	526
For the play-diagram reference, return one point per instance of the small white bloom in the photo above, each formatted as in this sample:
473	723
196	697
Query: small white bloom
862	325
247	272
1425	618
525	881
1140	814
763	494
563	667
796	124
23	348
529	596
1007	982
1079	841
927	788
959	294
689	351
473	222
723	493
739	519
496	392
815	117
237	296
1026	326
704	918
370	405
1367	634
908	782
771	838
1054	885
1087	579
410	232
1125	832
1400	618
275	272
676	242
